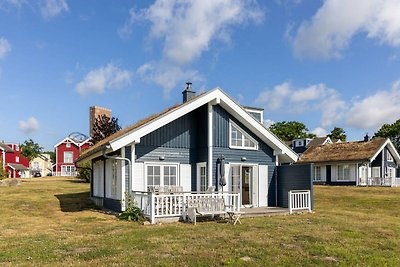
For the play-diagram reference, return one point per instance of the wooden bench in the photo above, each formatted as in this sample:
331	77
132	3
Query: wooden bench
204	206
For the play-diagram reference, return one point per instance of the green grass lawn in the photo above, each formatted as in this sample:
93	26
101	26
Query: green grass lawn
50	221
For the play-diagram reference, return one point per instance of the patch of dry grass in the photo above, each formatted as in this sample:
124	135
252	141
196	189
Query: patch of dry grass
50	221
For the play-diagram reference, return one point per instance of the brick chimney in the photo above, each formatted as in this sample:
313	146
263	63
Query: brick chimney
95	112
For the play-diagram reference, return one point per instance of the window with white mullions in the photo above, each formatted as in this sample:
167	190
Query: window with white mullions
343	172
317	173
238	138
169	175
153	175
161	175
202	181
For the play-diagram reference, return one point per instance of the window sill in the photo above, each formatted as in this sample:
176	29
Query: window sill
243	148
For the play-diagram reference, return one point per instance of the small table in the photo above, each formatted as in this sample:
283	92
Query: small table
234	217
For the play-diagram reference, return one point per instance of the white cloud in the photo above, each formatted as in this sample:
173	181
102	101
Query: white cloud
167	76
5	47
274	99
331	29
375	110
29	126
109	77
187	29
319	132
52	8
316	97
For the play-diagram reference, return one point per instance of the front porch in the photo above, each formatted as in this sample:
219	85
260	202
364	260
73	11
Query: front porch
173	206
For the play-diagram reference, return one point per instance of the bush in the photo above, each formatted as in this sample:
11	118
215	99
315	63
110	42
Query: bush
131	213
85	172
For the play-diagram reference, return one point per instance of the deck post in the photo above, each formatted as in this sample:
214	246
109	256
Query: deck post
152	208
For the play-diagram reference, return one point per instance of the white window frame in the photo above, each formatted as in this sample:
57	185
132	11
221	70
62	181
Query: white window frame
391	172
343	177
72	156
389	156
68	145
374	170
114	177
16	159
317	178
198	177
16	148
161	165
244	134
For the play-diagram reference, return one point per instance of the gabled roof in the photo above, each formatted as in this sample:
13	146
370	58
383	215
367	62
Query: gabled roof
17	166
348	151
317	141
5	148
67	139
133	133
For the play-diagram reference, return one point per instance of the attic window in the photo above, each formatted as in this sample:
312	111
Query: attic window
240	139
389	156
68	145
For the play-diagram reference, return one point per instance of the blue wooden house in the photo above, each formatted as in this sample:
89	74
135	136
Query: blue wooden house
209	144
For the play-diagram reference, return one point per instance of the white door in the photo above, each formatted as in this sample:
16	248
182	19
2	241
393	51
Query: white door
363	174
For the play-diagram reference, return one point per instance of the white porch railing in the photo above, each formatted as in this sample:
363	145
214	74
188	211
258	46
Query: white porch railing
385	181
74	173
396	182
299	200
174	205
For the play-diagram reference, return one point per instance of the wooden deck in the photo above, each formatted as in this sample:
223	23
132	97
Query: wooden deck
264	211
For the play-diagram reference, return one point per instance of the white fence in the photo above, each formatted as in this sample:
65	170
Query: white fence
396	182
386	181
74	173
175	204
299	200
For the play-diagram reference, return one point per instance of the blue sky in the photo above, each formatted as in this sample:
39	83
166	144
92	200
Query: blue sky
324	63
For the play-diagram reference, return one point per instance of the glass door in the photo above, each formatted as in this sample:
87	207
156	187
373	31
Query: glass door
246	174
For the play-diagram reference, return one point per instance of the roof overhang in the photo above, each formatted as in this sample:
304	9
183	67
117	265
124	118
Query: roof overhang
214	97
391	148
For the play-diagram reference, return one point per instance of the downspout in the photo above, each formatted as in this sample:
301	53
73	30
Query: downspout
116	158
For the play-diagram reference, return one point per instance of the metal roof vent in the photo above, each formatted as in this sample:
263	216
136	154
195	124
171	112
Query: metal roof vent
188	93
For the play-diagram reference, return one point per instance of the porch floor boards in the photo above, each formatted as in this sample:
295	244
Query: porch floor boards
264	211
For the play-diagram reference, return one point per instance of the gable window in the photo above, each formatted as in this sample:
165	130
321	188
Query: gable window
68	157
68	145
16	159
343	172
317	173
202	182
16	148
389	156
299	143
240	139
161	175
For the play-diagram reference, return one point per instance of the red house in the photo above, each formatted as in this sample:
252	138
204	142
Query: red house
66	152
13	162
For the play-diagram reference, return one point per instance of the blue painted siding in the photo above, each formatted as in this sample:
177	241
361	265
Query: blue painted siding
293	177
264	155
183	140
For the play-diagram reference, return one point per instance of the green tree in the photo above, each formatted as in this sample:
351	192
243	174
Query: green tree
30	149
391	131
289	130
3	173
85	172
338	134
103	127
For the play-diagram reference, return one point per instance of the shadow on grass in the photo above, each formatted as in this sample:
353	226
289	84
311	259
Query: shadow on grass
75	202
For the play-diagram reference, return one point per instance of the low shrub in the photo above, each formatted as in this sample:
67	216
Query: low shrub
131	213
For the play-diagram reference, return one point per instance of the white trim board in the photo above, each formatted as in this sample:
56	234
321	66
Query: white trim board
214	96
